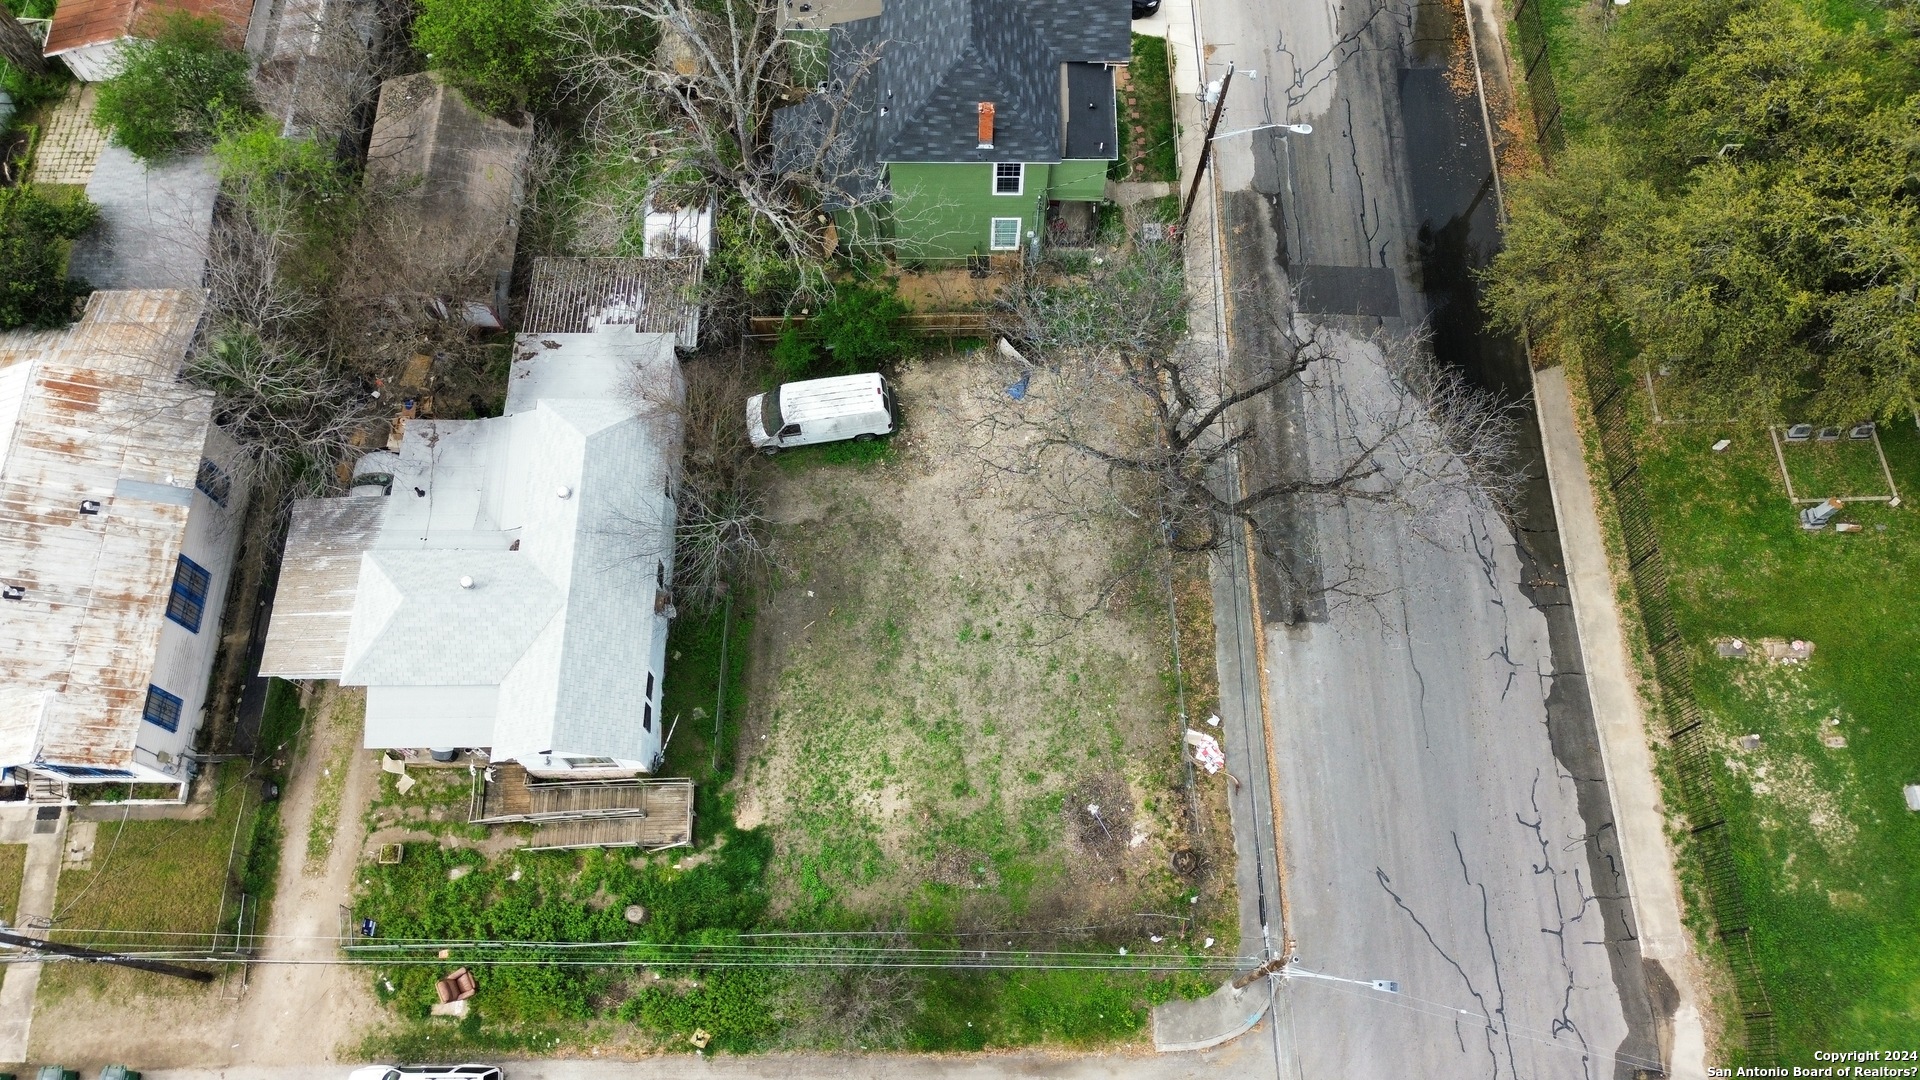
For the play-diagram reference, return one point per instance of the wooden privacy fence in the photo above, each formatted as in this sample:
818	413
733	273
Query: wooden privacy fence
949	324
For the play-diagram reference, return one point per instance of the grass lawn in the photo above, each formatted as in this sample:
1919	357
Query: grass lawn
1150	84
13	861
343	715
1829	853
162	876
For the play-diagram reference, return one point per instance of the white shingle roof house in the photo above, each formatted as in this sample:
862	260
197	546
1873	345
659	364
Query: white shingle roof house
119	518
507	588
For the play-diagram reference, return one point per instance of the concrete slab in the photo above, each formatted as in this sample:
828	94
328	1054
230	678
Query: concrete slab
1202	1024
20	982
1638	813
155	222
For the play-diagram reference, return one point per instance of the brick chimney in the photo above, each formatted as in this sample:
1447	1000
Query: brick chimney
986	125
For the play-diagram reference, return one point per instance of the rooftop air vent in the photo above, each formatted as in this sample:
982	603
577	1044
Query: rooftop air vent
14	592
466	582
564	491
89	506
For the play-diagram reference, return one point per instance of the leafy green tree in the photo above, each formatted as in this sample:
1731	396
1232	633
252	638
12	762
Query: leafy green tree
35	230
177	89
503	54
1748	212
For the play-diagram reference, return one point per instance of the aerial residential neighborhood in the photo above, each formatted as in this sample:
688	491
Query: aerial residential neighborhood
1160	538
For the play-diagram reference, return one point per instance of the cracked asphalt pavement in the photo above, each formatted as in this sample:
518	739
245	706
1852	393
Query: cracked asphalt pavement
1446	824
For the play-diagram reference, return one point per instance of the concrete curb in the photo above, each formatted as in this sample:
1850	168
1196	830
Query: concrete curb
1226	1001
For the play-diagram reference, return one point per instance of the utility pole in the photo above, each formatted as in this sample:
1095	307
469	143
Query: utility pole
158	967
1270	967
1206	149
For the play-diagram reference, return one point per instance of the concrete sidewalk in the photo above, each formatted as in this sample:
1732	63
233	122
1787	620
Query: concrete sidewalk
1226	1013
20	824
1653	889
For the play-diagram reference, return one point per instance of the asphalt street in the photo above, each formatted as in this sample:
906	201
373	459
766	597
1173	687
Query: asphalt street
1446	823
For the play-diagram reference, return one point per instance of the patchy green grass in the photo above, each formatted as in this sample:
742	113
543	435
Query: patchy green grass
1835	470
942	688
13	862
337	735
1150	84
800	459
163	876
1829	854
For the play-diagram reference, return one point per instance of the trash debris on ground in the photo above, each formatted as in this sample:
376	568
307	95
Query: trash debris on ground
1206	751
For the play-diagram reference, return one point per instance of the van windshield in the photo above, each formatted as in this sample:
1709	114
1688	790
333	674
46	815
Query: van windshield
770	412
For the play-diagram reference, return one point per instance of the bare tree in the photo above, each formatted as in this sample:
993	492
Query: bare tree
1118	413
294	412
695	114
722	535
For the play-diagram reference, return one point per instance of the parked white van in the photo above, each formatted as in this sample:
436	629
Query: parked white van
857	407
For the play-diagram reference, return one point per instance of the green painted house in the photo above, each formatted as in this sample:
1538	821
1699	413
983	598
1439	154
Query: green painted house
958	128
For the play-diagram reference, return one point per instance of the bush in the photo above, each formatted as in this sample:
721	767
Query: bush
858	330
176	90
28	90
503	54
34	233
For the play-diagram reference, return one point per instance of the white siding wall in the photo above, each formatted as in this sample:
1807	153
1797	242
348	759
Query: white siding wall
183	663
93	63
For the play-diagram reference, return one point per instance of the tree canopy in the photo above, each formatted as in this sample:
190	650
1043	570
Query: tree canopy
1745	210
175	90
34	232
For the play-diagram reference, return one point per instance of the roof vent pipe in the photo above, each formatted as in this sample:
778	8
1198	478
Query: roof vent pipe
564	492
466	582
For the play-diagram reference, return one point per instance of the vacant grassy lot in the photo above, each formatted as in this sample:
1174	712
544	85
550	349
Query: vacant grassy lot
1830	855
945	682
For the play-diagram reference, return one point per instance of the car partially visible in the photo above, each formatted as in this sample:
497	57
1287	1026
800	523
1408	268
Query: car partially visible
425	1072
1144	8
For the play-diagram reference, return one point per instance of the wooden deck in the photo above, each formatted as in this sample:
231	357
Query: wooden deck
588	813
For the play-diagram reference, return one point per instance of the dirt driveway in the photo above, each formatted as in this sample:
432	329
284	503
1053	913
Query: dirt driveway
945	686
289	1012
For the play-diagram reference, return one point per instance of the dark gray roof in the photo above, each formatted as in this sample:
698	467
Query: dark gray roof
1091	130
920	68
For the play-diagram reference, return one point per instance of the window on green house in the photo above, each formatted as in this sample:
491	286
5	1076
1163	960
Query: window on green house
1008	177
1006	234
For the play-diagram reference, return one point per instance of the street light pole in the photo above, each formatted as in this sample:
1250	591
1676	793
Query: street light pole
1206	149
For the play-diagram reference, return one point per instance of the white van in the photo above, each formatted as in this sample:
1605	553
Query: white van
857	407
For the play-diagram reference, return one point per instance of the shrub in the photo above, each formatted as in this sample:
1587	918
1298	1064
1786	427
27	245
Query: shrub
27	89
858	330
176	90
501	53
34	233
795	354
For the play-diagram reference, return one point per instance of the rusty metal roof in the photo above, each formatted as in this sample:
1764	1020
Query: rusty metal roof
96	412
654	296
91	22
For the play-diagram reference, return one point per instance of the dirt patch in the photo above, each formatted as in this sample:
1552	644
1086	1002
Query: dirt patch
941	683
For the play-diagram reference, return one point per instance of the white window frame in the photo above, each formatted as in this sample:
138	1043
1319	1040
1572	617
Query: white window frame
1019	187
993	235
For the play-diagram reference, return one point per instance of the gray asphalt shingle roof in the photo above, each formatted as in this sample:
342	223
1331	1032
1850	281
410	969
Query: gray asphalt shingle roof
920	68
